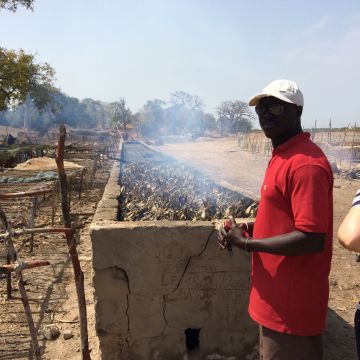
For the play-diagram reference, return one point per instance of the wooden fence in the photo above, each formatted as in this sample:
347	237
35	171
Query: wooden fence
340	146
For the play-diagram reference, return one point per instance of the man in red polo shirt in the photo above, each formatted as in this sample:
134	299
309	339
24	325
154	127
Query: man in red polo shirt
291	239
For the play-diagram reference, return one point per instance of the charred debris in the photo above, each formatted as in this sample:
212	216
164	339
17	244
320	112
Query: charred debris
156	187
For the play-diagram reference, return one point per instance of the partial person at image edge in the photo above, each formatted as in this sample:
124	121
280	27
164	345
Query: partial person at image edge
291	239
349	230
349	237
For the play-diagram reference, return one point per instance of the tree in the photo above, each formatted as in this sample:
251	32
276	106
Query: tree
151	118
21	76
71	111
3	119
185	113
236	116
12	5
85	114
96	112
187	101
209	122
121	115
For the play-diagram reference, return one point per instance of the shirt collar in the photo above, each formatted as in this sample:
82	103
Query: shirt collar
291	142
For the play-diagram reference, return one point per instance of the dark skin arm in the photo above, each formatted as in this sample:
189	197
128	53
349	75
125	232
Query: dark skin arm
293	243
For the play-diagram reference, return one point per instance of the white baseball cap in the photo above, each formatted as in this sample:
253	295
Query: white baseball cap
285	90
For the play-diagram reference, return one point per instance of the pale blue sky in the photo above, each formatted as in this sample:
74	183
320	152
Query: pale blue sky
219	50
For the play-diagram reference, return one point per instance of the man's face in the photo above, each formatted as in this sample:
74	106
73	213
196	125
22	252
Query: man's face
277	118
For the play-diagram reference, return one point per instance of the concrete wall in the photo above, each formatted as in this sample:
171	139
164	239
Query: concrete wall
155	280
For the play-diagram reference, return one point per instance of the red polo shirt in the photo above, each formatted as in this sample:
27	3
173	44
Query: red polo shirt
289	294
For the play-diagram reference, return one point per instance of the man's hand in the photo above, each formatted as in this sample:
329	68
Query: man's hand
232	234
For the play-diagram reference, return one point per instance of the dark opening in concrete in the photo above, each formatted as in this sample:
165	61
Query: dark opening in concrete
192	339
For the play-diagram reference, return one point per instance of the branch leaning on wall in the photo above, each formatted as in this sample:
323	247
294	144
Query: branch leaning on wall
71	243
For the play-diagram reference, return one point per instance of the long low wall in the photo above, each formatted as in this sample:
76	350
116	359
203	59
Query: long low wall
164	290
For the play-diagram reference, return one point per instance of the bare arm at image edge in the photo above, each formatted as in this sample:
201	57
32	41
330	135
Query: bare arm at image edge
349	230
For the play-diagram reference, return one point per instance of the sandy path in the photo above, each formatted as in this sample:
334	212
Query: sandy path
223	161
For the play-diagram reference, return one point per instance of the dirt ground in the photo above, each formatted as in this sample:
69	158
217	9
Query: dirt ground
51	289
52	292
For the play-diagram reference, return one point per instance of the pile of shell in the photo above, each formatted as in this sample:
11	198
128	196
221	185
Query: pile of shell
174	192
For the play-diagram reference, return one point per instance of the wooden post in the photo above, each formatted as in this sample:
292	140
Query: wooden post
95	164
30	321
24	298
81	182
70	188
53	205
32	221
314	131
70	239
352	147
11	255
342	147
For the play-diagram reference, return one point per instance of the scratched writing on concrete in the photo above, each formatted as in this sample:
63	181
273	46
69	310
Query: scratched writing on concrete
221	280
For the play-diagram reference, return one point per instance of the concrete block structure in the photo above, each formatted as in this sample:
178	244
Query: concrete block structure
164	290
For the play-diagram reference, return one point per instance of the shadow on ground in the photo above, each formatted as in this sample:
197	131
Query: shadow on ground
339	336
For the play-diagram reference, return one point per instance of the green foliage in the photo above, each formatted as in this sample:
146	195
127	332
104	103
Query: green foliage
85	114
12	5
21	76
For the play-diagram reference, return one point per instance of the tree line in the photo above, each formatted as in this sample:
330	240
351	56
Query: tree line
182	114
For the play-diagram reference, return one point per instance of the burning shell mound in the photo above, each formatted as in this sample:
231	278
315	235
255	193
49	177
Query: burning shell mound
174	192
